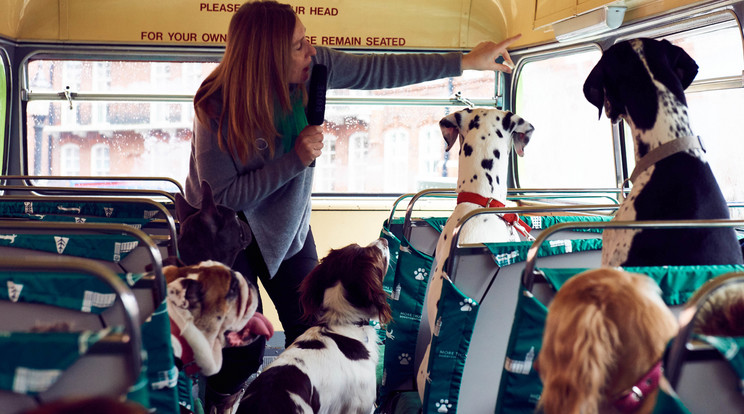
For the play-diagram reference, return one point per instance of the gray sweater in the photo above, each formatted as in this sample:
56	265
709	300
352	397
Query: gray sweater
274	193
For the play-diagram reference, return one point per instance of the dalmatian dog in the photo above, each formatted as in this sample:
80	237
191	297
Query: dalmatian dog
642	81
486	138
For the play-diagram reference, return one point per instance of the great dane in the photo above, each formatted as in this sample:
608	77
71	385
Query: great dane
642	81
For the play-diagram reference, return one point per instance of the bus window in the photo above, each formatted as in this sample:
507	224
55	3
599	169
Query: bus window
389	141
120	118
715	99
570	148
123	115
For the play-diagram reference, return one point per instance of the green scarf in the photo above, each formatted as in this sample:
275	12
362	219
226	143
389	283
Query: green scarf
290	124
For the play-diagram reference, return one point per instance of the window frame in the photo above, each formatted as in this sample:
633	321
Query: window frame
5	107
173	54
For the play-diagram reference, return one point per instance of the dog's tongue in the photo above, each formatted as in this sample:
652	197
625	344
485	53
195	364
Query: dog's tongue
257	325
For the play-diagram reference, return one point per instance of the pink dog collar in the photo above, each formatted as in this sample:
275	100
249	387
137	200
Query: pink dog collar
631	399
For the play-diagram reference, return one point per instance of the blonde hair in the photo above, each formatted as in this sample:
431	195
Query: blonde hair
251	77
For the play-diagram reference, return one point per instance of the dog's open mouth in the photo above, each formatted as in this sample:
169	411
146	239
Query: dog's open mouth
257	326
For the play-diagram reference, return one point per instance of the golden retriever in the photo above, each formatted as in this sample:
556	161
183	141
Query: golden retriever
604	337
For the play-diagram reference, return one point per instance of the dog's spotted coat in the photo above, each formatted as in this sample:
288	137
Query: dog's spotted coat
331	368
486	138
642	81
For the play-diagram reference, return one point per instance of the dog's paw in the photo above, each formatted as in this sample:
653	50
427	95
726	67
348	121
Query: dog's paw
443	406
467	305
389	334
404	359
420	274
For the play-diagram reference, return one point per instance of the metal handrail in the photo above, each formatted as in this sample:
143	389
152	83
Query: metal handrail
92	178
409	211
529	268
518	192
502	210
111	192
395	205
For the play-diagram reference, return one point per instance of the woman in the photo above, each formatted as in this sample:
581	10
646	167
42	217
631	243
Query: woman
253	145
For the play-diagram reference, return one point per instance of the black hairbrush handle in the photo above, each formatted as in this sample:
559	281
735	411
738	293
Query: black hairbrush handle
317	97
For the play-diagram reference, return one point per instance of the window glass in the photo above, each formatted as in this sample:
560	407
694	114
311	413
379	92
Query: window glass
112	135
324	180
715	117
396	159
472	84
715	114
570	147
99	160
375	150
105	76
69	159
372	146
136	137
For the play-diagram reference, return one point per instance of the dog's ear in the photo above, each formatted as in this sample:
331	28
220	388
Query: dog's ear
366	290
521	132
184	210
683	65
450	126
311	300
671	65
575	372
171	273
594	89
208	205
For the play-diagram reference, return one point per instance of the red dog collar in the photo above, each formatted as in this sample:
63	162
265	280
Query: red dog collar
510	218
631	399
187	354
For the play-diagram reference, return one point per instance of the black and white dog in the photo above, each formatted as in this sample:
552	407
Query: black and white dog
642	81
331	368
487	136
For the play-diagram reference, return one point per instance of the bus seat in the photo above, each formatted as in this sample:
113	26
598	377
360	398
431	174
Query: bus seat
107	244
50	365
148	288
519	389
478	275
707	360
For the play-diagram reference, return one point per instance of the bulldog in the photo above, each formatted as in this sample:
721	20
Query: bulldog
211	306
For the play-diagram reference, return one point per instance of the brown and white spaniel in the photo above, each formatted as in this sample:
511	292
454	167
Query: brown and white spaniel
331	368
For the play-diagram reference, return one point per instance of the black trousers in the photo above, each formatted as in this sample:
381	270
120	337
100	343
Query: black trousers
239	363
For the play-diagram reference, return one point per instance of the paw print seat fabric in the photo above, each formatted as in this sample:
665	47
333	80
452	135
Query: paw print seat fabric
456	315
407	304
